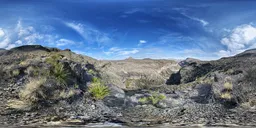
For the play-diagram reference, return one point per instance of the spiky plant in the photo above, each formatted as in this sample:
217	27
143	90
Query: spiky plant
98	90
60	73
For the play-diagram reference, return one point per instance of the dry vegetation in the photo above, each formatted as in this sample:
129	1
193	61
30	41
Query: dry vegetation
154	98
228	88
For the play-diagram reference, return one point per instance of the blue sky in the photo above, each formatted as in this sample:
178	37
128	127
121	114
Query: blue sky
117	29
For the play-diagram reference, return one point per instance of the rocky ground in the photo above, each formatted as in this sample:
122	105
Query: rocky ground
146	92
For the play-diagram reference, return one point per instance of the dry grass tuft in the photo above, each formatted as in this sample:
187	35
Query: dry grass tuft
228	84
226	95
67	94
33	90
18	104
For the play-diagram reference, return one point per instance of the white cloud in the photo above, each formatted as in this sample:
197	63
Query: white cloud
174	37
80	52
128	52
5	43
203	22
1	33
24	35
11	46
134	10
241	38
33	38
89	33
28	35
19	42
121	51
141	42
5	40
24	31
63	42
77	27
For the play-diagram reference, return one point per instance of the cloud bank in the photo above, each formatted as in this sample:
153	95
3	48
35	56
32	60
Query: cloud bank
241	38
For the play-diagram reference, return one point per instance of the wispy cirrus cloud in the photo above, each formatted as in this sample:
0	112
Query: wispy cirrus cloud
89	33
171	37
203	22
134	10
121	51
65	42
183	11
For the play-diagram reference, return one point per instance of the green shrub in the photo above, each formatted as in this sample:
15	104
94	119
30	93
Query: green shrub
36	71
154	98
98	90
91	72
16	72
143	100
53	59
58	70
76	86
60	73
96	80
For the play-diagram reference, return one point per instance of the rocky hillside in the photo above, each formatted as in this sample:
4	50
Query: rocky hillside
134	73
49	86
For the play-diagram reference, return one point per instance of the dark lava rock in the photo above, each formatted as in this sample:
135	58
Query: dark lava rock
29	48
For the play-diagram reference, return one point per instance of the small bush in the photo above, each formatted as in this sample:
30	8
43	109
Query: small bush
53	59
228	88
33	91
16	72
23	63
98	90
66	94
228	84
143	100
252	102
153	99
36	71
58	70
96	80
128	83
76	86
226	95
29	95
60	73
92	72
